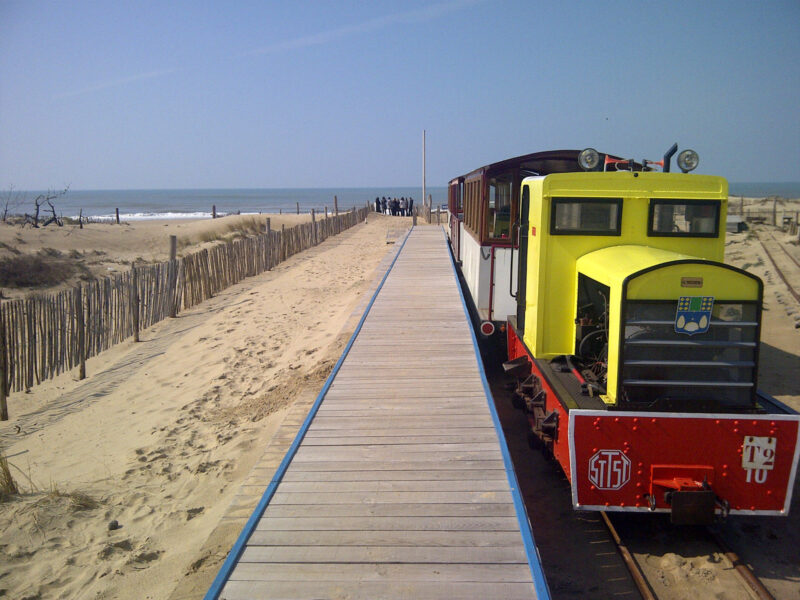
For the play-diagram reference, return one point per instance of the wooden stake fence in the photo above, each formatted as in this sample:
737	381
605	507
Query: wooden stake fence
42	336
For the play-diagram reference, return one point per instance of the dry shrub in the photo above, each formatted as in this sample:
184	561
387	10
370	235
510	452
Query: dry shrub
34	270
8	487
81	501
11	249
77	500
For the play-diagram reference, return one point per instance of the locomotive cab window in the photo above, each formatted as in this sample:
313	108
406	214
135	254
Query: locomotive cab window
683	218
586	216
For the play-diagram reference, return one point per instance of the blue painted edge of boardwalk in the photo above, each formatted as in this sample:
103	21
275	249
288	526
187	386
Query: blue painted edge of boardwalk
238	547
534	560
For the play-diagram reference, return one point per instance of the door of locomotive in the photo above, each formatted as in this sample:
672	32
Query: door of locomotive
456	210
522	254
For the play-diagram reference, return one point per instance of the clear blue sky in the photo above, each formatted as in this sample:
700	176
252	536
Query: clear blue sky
126	95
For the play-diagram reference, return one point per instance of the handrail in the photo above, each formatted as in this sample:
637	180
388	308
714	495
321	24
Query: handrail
511	274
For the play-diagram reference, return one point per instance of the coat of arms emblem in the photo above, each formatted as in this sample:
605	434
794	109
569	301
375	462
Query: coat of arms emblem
694	314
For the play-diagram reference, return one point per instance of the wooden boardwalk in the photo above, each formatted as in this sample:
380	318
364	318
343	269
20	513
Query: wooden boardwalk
399	487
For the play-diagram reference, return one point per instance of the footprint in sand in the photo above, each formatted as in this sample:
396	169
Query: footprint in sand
193	512
145	556
113	548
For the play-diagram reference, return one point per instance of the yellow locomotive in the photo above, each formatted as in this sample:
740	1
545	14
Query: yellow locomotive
635	347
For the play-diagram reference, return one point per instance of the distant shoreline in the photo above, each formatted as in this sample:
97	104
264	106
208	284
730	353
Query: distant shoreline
175	204
197	204
763	189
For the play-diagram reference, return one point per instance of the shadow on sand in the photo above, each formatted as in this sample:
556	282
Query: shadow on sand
779	372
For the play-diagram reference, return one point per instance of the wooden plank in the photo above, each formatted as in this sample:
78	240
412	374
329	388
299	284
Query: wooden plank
432	378
394	475
384	537
401	395
349	440
402	411
379	497
407	386
315	454
392	590
440	524
355	423
400	450
419	485
519	573
403	432
344	402
384	554
390	509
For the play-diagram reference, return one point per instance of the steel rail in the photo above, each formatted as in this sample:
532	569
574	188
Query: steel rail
791	289
742	569
633	567
748	576
785	251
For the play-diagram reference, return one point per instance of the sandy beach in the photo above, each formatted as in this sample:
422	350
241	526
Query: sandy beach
162	433
102	248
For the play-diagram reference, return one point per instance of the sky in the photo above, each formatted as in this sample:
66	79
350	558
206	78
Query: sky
143	95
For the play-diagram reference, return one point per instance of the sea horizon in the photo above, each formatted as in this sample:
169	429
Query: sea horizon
189	203
186	203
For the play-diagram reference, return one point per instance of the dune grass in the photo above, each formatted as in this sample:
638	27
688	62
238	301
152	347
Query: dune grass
48	267
77	500
240	228
34	270
8	487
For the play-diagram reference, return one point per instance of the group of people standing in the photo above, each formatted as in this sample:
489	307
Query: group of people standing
401	207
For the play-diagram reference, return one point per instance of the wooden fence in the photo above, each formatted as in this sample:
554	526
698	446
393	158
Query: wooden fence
47	334
769	215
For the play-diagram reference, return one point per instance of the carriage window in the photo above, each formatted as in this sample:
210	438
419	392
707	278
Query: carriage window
499	213
586	216
684	218
472	205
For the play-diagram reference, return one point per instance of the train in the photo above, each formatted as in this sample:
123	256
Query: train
632	346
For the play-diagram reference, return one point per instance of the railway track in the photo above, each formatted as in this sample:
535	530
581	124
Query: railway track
786	266
647	585
637	556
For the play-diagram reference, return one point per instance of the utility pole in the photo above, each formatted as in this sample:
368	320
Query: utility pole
424	195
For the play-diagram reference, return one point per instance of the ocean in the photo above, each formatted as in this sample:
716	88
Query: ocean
764	189
181	204
186	203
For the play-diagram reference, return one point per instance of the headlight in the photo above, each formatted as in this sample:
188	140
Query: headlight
589	159
688	160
